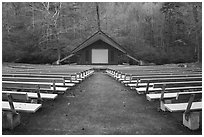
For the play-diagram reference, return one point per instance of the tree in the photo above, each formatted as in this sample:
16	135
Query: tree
43	32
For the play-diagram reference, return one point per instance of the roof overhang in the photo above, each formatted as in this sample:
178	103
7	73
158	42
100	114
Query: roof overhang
98	36
132	58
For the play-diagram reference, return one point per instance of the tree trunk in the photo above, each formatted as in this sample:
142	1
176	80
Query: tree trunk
195	15
58	56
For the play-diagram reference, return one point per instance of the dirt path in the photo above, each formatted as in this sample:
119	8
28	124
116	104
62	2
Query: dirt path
101	106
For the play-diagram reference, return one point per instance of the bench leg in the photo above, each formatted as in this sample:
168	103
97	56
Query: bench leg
193	120
162	107
10	120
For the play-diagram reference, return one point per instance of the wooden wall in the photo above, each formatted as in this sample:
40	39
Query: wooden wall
85	55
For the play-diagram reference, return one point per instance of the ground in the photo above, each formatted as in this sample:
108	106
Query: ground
101	106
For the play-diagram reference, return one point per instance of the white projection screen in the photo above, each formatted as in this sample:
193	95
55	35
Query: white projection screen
100	56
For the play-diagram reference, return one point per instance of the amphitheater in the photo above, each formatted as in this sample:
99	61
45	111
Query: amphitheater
101	100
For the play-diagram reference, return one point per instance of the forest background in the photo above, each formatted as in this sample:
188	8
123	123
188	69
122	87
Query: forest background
157	32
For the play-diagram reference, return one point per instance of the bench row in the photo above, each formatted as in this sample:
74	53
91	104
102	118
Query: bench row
15	101
48	84
154	83
167	89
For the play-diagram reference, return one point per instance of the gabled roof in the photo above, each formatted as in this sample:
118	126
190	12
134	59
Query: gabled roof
99	35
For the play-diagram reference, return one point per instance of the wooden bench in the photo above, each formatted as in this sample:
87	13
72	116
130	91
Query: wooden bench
172	85
182	106
30	95
112	73
156	96
144	82
59	82
143	90
139	84
33	79
22	96
35	75
192	111
10	117
42	73
184	97
48	87
78	77
72	78
177	84
63	82
18	97
67	79
135	79
155	68
172	79
84	74
140	70
21	107
181	97
137	72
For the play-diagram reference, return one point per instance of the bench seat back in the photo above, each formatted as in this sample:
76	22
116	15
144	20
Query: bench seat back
41	73
177	84
176	79
165	76
36	75
184	97
32	79
23	97
27	85
32	95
